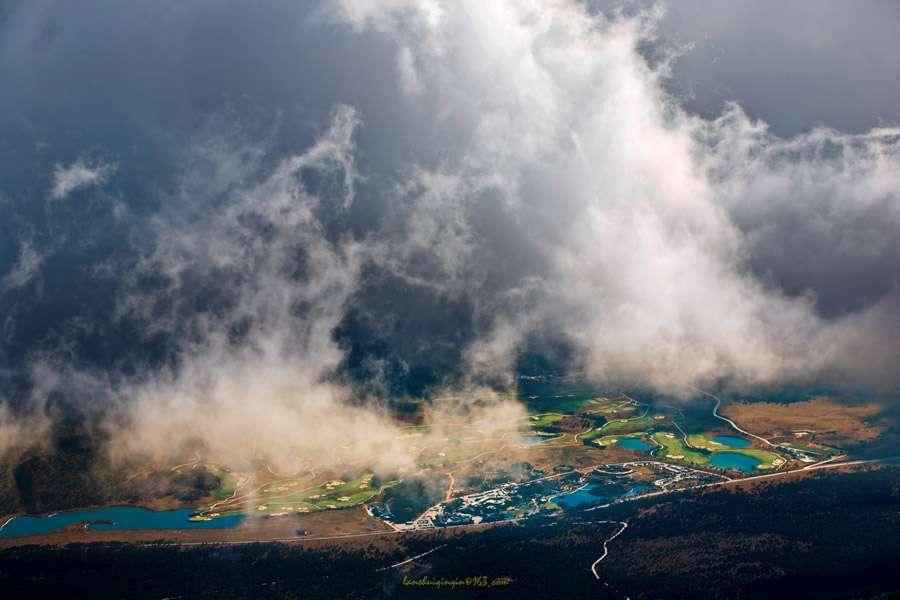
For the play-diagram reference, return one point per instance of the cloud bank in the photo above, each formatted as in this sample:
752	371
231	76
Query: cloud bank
441	191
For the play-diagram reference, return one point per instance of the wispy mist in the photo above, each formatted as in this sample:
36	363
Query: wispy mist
307	213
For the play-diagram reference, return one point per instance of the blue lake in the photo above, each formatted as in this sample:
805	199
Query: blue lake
731	441
583	496
634	444
726	460
122	517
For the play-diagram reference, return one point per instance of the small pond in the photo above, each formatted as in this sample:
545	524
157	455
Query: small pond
727	460
731	441
583	496
634	444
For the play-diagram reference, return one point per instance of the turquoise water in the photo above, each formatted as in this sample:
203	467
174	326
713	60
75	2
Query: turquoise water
726	460
122	517
583	496
634	444
731	441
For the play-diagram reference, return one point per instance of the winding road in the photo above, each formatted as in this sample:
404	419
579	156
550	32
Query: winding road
716	414
605	542
409	560
606	551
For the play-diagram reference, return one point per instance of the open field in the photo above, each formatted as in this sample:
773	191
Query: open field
616	409
826	418
813	449
279	488
672	446
638	422
612	439
230	481
698	440
538	421
602	437
767	460
329	495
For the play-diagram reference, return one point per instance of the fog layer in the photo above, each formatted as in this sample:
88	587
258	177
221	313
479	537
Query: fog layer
225	226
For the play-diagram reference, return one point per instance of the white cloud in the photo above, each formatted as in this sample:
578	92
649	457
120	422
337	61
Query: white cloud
79	174
26	267
283	283
569	197
639	209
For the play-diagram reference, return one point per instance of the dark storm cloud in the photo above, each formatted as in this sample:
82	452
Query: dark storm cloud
224	220
794	65
819	212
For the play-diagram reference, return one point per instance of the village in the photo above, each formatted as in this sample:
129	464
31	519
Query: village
549	495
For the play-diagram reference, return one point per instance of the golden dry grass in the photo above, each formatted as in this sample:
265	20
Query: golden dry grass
820	414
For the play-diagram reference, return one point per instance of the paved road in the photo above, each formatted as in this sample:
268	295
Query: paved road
606	551
605	542
716	414
409	560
